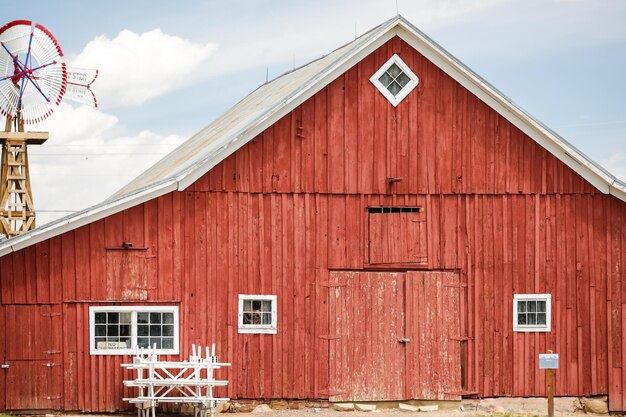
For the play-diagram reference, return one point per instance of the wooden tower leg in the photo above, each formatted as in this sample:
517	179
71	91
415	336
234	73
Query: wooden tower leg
17	212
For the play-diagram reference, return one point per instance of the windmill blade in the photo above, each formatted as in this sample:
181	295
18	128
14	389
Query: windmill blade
79	82
32	76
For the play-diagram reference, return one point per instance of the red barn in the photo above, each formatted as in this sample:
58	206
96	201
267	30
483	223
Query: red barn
379	224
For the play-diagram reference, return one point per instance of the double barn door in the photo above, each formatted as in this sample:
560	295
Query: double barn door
397	336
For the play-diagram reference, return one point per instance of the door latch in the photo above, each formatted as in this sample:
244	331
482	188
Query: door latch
404	340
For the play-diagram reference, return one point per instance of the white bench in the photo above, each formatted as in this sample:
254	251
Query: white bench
189	382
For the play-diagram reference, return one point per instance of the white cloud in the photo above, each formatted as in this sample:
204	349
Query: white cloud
135	68
88	157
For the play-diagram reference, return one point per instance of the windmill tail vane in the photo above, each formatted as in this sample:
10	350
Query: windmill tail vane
79	81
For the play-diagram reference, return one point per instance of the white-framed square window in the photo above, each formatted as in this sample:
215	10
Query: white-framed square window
395	80
532	312
257	313
119	330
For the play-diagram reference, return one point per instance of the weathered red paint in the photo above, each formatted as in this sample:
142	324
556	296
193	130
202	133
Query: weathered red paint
284	213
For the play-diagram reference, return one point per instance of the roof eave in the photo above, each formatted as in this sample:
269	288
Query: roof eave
85	217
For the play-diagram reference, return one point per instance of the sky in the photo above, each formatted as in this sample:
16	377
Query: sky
167	69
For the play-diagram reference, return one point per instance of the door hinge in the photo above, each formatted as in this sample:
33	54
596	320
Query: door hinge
51	352
4	366
53	397
330	336
329	284
50	364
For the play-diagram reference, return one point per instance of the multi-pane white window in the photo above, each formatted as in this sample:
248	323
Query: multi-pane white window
119	330
532	312
257	313
395	80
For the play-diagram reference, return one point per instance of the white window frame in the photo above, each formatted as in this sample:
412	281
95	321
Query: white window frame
258	328
395	100
133	333
533	327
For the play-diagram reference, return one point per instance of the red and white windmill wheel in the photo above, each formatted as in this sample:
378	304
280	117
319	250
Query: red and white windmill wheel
32	77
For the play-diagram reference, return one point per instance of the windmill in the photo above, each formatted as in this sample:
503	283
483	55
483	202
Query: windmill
33	81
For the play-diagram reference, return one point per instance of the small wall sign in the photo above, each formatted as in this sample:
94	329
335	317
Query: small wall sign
548	361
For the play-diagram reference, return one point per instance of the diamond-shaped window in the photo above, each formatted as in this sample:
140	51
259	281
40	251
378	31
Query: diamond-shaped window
395	80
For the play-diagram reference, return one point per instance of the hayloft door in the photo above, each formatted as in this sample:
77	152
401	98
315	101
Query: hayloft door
367	318
433	358
33	356
394	336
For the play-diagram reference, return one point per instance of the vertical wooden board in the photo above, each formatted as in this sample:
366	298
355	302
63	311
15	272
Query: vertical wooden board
350	133
307	158
165	248
381	108
449	233
416	173
299	291
30	275
287	290
229	173
427	127
55	281
255	155
365	125
267	143
336	138
242	164
283	142
337	231
70	359
6	279
81	251
42	271
443	126
97	261
321	141
201	266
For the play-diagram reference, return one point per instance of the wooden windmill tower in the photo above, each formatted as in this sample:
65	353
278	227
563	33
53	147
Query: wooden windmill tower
33	80
17	211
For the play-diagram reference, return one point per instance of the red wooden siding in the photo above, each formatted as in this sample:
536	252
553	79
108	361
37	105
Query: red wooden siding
283	212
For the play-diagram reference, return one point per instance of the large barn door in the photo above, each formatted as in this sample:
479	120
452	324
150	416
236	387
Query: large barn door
33	356
394	336
366	321
433	325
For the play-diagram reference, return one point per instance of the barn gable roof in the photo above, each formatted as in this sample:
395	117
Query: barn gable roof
271	101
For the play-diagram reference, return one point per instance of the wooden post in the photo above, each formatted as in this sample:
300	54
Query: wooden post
550	383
